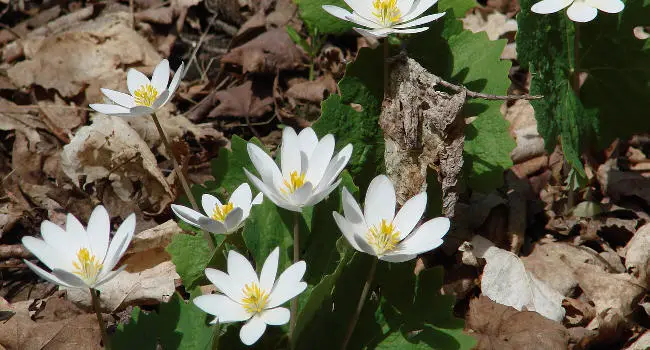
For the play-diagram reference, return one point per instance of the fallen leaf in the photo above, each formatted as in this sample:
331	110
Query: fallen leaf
619	184
493	24
642	343
313	90
272	51
159	15
241	101
499	327
154	238
506	281
637	255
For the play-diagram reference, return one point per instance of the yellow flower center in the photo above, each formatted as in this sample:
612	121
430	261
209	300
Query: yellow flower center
384	238
145	95
295	182
87	266
221	211
386	12
255	299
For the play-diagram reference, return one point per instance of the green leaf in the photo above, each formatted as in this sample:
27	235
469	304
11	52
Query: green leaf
228	167
176	325
362	86
268	227
298	40
191	255
312	13
472	60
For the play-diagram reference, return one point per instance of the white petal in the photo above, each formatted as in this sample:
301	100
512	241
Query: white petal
69	278
135	79
242	198
119	243
550	6
370	23
420	21
362	242
316	197
233	219
418	8
347	230
221	306
45	253
138	111
240	270
362	7
99	229
160	100
176	80
120	98
186	214
405	6
74	226
160	76
409	31
290	152
427	237
110	109
61	240
211	225
380	201
336	165
352	210
276	317
252	330
263	163
609	6
398	258
337	12
223	282
410	214
108	276
308	140
581	12
375	33
270	193
209	203
45	275
269	270
302	194
320	160
258	199
288	285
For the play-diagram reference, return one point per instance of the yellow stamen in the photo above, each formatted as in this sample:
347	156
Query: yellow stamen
386	12
87	266
221	211
255	299
145	95
384	238
295	182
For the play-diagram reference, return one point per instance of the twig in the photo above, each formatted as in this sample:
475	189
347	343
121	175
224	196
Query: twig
201	39
473	94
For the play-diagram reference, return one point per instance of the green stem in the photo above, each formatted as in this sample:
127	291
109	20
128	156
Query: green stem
362	301
181	175
296	257
216	333
94	296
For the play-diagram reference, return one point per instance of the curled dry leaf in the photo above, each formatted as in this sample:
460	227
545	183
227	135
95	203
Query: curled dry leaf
154	238
272	51
637	256
242	101
91	53
500	327
110	152
506	281
313	90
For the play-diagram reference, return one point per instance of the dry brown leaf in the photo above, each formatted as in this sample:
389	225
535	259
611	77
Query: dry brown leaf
642	343
154	238
493	24
637	256
620	184
111	156
14	117
91	54
313	90
57	324
148	279
499	327
159	15
241	101
272	51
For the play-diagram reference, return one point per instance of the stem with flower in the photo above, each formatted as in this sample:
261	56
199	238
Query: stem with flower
296	258
94	295
362	301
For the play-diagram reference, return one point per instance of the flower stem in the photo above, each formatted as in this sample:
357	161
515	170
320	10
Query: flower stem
216	333
362	301
94	296
296	257
181	175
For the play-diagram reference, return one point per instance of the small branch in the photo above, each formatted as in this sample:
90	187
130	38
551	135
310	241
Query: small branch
362	301
473	94
94	295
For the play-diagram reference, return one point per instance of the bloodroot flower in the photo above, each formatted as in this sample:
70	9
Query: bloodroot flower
222	218
579	10
309	172
146	96
78	257
384	17
249	298
378	231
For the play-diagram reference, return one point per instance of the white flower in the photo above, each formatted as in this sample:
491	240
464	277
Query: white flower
379	232
384	17
222	218
309	172
146	96
580	10
249	298
78	257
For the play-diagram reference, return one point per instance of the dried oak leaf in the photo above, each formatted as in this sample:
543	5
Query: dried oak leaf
637	256
154	238
56	325
242	101
111	156
313	90
500	327
271	51
91	54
